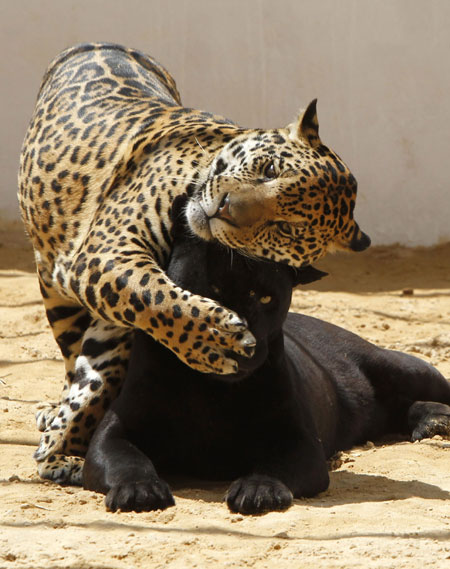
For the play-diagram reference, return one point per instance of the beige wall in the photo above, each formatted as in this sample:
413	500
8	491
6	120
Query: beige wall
380	69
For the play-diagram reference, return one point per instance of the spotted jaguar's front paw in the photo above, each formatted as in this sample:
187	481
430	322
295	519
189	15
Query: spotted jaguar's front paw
258	494
211	342
141	496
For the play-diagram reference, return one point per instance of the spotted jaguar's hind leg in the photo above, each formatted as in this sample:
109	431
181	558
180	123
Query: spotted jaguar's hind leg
45	414
62	469
97	376
96	356
68	322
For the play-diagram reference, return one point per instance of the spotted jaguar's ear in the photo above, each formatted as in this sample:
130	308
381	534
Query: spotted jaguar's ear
306	127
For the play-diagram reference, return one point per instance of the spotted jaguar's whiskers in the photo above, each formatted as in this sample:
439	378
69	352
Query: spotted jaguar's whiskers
203	150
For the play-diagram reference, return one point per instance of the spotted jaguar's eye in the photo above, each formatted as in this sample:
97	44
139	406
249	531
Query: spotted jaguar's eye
286	229
270	171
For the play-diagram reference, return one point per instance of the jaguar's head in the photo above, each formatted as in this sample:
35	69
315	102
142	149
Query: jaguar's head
278	194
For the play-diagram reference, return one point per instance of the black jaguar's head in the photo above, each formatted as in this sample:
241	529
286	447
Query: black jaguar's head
258	290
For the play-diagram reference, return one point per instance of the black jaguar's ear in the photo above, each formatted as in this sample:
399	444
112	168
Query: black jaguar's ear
178	216
307	275
306	127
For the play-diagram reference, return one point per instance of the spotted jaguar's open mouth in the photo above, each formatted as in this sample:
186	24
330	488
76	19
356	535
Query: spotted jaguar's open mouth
223	211
201	215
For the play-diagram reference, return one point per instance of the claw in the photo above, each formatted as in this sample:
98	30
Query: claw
249	351
249	341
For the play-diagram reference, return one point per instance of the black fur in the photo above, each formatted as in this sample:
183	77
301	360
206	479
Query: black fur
311	389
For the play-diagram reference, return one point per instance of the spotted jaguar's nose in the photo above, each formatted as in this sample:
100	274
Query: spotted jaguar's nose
360	241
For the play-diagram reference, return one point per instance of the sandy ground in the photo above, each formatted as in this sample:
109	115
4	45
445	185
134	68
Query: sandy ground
388	505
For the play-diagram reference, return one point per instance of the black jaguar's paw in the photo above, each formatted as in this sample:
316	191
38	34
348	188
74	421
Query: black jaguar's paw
428	418
257	494
141	496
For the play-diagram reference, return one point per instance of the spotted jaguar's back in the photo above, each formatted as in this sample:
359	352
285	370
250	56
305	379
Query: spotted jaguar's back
108	149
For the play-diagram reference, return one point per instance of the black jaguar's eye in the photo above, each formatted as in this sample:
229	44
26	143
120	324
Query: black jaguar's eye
285	229
270	171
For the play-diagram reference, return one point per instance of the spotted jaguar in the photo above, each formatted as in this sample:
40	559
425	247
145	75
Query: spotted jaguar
108	149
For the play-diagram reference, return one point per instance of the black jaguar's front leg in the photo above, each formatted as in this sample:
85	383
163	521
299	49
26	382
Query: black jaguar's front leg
273	489
258	494
281	477
117	468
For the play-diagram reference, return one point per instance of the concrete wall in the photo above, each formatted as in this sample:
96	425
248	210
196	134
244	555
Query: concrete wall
380	69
